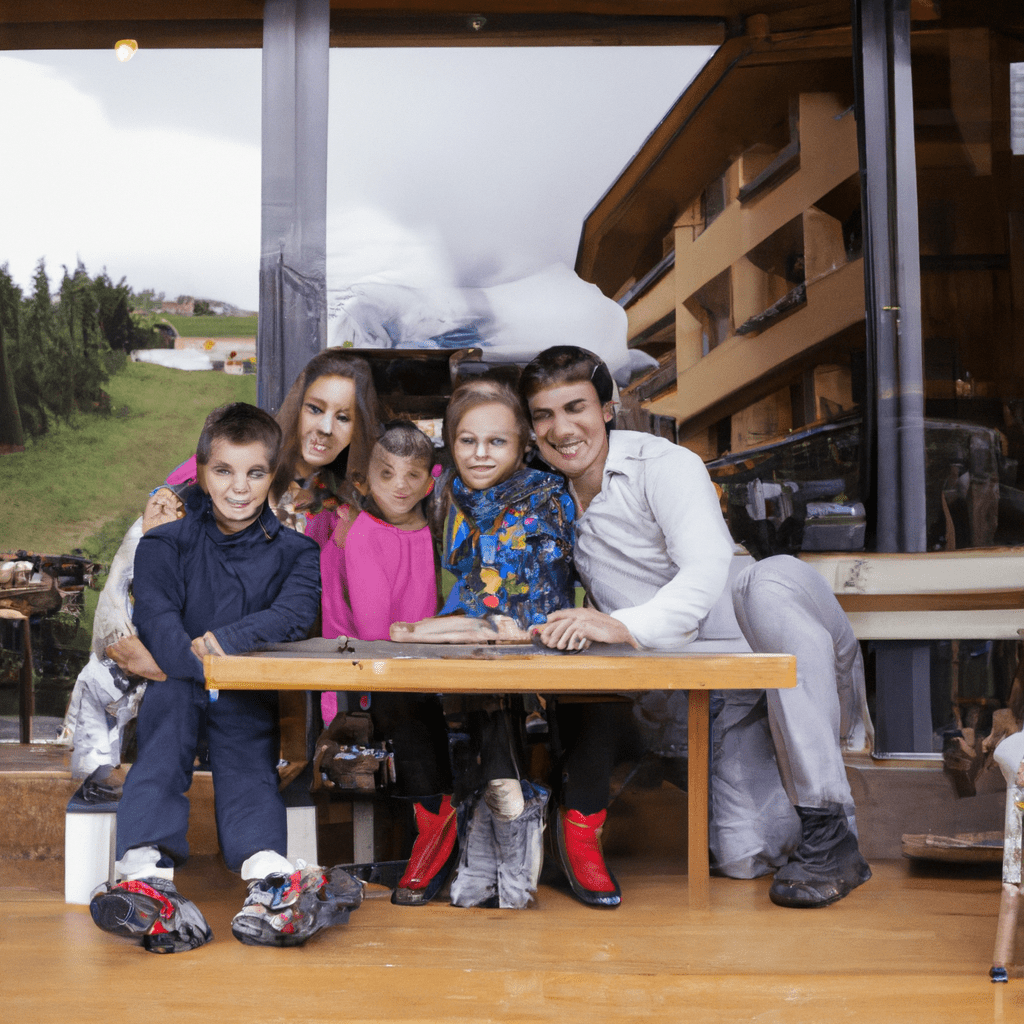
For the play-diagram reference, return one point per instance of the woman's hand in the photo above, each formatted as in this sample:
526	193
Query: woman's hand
163	507
574	629
206	644
132	656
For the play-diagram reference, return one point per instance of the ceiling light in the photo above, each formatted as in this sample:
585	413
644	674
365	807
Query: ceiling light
125	49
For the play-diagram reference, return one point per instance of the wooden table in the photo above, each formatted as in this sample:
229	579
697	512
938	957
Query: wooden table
603	670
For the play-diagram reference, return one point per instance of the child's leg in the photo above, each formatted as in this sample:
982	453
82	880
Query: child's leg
244	738
416	727
154	810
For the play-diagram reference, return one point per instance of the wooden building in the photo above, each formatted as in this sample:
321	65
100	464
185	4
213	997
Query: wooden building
822	243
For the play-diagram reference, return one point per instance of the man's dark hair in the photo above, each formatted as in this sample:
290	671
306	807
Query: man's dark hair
240	423
565	364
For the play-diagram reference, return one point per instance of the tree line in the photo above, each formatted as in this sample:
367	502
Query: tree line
57	350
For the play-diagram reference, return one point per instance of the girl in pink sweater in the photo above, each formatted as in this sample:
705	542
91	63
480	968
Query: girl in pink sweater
377	567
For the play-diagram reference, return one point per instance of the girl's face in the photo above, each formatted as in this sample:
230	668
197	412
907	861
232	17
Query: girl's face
398	485
325	421
487	446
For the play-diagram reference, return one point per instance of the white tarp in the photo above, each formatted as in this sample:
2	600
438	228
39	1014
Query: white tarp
510	322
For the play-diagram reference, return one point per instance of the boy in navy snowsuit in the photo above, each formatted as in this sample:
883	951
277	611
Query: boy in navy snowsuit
225	579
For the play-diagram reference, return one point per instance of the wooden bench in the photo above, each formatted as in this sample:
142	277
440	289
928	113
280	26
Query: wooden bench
475	669
977	594
906	601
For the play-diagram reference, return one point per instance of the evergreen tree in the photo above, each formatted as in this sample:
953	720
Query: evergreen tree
55	356
11	431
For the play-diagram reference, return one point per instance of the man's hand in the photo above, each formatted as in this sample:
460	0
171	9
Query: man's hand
131	655
206	644
163	507
573	629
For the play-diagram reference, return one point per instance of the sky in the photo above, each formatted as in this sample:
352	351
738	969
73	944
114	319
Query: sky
471	166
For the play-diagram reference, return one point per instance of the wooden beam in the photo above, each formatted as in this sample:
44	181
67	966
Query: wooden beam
656	304
240	24
935	625
977	570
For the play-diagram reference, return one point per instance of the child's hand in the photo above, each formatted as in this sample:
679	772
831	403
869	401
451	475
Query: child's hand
206	644
346	517
163	507
574	629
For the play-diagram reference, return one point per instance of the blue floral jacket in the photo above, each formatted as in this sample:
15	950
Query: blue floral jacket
510	548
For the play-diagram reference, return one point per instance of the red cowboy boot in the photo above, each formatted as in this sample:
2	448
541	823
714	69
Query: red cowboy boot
433	855
578	837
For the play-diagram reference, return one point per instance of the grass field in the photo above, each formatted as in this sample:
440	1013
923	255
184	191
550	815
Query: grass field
81	486
212	326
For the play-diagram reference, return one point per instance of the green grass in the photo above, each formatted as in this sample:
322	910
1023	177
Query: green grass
212	326
81	486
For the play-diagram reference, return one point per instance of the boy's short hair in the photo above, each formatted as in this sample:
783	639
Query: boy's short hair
240	423
405	440
566	364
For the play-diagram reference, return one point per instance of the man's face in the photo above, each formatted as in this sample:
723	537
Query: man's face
569	422
238	478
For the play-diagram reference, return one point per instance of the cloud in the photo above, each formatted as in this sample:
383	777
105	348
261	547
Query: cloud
167	208
475	166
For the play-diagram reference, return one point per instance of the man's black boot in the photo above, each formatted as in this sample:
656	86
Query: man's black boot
826	865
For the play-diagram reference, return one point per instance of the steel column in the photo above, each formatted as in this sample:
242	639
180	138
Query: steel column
894	417
293	253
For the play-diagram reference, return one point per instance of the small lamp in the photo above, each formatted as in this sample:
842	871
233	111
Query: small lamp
125	49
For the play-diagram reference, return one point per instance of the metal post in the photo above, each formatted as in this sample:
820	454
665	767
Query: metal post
895	413
293	254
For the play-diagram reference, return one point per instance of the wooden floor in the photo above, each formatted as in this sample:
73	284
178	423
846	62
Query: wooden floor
907	947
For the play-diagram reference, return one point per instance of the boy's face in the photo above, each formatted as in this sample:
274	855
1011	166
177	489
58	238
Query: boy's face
238	479
398	484
569	421
487	448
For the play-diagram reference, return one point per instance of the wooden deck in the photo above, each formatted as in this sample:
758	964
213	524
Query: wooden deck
907	947
912	945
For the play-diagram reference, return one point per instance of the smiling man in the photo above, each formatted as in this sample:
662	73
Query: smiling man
654	554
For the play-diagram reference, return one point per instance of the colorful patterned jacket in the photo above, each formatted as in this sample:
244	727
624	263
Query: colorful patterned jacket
510	548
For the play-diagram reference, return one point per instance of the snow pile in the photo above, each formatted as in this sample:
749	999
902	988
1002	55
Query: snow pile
509	322
175	359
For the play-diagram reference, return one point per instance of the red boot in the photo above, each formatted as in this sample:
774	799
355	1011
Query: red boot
578	837
433	855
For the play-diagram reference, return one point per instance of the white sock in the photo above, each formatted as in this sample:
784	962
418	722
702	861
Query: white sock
266	862
505	798
141	862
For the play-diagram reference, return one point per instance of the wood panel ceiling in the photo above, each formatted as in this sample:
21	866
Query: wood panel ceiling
96	24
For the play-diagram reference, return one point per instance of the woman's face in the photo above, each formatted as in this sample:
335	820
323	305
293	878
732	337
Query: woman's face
325	421
487	446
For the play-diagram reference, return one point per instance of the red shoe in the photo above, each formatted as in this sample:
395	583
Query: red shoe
578	837
433	855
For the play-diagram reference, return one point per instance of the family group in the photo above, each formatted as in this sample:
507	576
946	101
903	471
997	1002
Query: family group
328	517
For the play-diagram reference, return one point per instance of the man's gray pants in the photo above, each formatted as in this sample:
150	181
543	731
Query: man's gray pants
773	750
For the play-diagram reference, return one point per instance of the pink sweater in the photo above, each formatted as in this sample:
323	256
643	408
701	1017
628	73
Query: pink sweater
382	575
